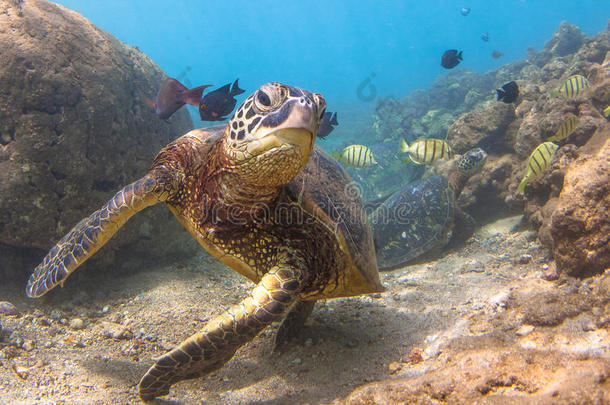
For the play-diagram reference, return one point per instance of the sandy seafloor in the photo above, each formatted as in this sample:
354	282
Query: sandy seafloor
443	308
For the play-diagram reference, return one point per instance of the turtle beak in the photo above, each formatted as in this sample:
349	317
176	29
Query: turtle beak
297	137
288	138
297	131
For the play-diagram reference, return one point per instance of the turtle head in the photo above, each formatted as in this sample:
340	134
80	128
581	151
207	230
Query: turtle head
471	162
271	135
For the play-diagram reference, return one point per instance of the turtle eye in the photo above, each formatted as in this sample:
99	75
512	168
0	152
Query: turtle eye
269	98
262	100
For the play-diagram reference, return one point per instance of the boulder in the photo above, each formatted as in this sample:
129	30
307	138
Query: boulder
536	342
493	375
580	222
491	128
567	40
74	128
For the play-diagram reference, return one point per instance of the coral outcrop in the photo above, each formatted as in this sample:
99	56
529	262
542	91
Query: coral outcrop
491	128
580	218
537	342
567	40
74	128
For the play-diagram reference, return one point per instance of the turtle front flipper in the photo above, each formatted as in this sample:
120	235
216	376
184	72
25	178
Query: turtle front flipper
91	233
217	342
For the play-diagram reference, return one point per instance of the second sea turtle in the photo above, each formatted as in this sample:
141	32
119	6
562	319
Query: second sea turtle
422	215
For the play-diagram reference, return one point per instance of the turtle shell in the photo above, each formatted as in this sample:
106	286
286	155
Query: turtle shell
324	189
413	221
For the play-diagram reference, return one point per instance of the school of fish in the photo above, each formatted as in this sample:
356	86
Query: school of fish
427	151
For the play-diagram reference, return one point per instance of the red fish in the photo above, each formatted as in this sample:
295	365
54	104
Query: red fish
172	95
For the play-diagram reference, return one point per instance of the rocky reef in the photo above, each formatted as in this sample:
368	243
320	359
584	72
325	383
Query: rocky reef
495	354
539	344
579	217
461	108
74	128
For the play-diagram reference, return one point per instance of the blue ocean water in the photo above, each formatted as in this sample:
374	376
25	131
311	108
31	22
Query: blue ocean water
332	47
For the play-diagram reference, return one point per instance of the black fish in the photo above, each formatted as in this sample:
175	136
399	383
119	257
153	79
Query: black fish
172	95
329	121
217	104
496	54
465	11
451	58
485	36
508	93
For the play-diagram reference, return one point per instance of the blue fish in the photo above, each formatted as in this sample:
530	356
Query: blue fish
451	58
508	93
215	105
329	122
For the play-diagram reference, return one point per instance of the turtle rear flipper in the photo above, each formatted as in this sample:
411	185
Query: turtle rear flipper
293	324
90	234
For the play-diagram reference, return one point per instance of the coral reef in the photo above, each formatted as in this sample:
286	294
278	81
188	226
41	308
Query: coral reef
74	126
542	342
429	113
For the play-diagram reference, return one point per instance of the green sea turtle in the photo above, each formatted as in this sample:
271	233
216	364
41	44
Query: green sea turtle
421	216
258	196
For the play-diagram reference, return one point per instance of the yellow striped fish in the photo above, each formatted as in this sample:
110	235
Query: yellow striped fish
607	112
539	161
425	151
566	128
358	156
574	86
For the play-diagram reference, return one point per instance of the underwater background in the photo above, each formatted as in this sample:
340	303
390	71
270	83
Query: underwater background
333	47
361	56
